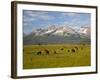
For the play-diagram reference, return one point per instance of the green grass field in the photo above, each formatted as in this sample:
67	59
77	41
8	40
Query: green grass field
62	58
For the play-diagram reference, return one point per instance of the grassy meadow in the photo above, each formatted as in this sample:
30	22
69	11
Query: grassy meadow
60	55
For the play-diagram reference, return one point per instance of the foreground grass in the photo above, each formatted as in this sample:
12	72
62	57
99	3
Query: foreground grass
62	58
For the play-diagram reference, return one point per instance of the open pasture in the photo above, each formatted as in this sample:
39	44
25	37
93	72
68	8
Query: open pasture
56	55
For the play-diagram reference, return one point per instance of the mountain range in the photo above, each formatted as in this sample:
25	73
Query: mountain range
57	34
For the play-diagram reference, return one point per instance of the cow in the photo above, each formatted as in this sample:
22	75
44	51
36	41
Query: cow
68	50
73	50
76	48
55	52
38	53
46	51
62	49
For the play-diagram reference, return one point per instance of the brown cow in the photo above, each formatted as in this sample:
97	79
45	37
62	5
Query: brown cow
46	51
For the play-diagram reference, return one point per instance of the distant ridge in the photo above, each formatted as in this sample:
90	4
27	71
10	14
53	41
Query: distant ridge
57	34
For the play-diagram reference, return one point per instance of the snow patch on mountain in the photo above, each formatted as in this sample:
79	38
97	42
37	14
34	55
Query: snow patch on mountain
62	30
85	31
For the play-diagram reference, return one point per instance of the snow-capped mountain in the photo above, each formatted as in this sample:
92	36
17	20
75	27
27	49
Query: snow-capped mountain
56	30
85	31
58	34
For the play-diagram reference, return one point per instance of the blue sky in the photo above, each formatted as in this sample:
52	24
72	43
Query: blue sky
33	19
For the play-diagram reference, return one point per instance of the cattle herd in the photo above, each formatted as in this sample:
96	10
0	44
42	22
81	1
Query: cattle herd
68	50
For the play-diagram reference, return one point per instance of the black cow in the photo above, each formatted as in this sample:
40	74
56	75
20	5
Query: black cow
55	52
62	49
73	50
38	53
68	50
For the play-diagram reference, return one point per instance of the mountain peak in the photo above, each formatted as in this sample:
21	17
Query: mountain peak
58	34
85	31
61	30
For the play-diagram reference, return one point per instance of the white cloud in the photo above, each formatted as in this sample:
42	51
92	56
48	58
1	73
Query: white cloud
70	14
25	24
77	23
38	15
46	17
35	13
28	19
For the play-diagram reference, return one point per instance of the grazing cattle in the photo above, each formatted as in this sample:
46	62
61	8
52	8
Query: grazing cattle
55	52
62	49
76	48
68	50
46	51
73	50
38	53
